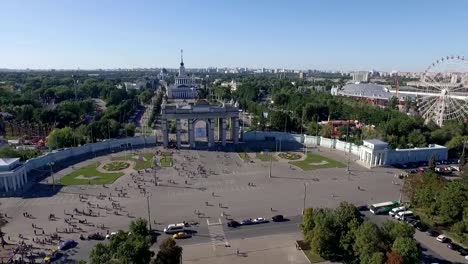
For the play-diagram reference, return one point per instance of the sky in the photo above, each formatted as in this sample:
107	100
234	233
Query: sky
405	35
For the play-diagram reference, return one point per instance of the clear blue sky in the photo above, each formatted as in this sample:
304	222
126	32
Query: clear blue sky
308	34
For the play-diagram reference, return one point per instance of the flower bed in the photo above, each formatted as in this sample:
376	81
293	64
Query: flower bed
289	156
116	166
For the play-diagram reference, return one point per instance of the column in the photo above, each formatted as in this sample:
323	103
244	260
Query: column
220	129
235	130
178	133
223	132
13	179
210	123
5	183
191	133
165	132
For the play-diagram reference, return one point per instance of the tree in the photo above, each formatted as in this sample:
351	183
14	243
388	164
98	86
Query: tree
368	240
308	223
326	130
394	257
61	138
407	248
129	130
374	258
169	252
325	238
391	230
451	201
125	247
393	103
432	163
416	138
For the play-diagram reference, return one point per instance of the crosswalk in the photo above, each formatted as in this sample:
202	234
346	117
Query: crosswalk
217	235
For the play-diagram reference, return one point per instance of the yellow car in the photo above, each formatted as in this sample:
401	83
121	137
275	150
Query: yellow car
51	256
180	235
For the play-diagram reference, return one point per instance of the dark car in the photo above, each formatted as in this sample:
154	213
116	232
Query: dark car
277	218
67	244
233	223
462	251
421	227
248	221
363	208
453	246
432	233
96	236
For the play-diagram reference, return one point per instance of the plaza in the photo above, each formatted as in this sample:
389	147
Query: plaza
205	187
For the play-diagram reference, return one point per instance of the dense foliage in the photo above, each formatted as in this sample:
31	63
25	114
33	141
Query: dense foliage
341	235
82	108
440	202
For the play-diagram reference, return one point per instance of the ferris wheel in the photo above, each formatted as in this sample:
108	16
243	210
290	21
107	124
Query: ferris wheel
442	93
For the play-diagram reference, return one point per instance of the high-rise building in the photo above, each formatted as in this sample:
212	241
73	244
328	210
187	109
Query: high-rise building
302	75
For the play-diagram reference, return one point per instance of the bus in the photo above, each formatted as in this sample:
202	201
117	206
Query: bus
383	208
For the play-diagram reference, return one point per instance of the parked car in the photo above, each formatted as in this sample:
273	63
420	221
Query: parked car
421	227
462	251
278	218
442	239
67	244
247	221
109	236
260	220
453	246
432	233
52	256
233	223
363	208
181	235
96	236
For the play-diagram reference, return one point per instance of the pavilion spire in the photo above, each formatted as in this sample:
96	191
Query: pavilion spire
182	57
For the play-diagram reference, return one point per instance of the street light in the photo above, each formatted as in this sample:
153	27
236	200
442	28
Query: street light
305	195
149	212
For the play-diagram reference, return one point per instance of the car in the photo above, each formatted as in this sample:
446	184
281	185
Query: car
233	223
462	251
181	235
466	257
96	236
109	236
432	233
247	221
421	227
363	208
414	223
52	256
67	244
442	238
453	246
260	220
277	218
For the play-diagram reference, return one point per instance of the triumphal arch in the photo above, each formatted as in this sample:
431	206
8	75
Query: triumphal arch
201	110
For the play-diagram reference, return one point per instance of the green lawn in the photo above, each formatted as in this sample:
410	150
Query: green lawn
313	258
265	156
139	164
314	161
244	156
89	175
166	161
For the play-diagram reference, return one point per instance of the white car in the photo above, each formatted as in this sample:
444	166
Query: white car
260	220
441	238
466	257
108	236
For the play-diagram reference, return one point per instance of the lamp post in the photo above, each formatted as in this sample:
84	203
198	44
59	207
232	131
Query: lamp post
305	195
149	211
271	163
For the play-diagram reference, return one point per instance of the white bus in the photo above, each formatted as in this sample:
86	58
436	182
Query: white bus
383	208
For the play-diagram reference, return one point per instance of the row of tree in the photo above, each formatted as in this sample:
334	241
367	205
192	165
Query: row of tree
134	247
440	203
341	235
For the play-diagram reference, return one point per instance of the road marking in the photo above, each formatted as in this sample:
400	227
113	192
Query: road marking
217	235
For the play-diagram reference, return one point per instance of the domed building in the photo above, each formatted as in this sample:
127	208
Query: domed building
184	86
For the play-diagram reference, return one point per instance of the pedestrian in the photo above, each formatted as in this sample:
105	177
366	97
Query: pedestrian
237	251
43	232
